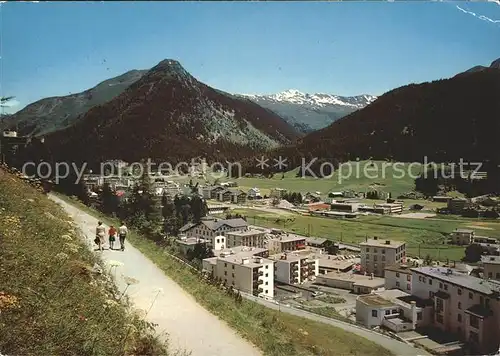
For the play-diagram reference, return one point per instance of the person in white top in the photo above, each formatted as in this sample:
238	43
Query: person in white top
100	233
122	233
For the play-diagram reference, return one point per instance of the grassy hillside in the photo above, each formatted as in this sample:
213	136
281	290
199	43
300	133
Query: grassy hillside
52	301
277	334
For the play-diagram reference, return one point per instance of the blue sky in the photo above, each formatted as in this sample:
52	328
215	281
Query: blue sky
343	48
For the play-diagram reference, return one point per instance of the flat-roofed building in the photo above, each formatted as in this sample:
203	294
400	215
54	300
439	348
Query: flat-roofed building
243	271
294	269
398	277
251	238
457	205
357	283
491	267
344	207
393	309
390	208
286	242
188	244
332	263
376	254
462	237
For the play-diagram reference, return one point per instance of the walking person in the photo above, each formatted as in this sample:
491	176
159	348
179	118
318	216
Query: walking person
122	232
112	236
100	233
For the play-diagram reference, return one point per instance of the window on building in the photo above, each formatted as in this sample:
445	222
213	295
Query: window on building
439	305
233	266
383	251
267	283
487	302
218	240
397	284
490	274
440	285
424	280
225	264
374	313
387	312
481	300
473	337
474	321
408	278
430	282
383	258
367	257
498	275
375	257
225	273
471	295
397	274
408	286
459	305
431	294
420	278
395	311
367	249
267	267
459	291
439	318
459	318
445	287
375	250
419	316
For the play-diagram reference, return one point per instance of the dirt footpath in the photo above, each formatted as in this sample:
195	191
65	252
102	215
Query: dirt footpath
189	325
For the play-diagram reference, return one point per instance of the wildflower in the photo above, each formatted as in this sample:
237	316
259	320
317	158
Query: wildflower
82	318
130	280
61	256
73	248
66	238
110	303
8	301
113	263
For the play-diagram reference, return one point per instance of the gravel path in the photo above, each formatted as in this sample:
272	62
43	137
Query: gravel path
189	326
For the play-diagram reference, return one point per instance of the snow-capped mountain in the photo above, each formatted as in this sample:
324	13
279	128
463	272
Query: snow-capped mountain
310	112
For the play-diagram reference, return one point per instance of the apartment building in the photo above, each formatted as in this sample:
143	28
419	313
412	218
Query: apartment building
457	205
277	193
463	305
376	254
208	228
491	267
286	242
244	271
462	237
251	238
398	277
294	269
390	208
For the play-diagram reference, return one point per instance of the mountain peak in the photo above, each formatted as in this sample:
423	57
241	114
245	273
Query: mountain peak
170	66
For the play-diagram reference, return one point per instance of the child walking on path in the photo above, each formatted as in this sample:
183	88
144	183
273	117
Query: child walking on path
112	234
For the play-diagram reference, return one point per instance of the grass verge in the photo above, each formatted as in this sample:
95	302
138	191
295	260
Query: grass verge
276	334
53	299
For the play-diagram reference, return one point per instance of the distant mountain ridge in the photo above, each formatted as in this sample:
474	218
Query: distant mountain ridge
310	112
169	115
494	65
444	120
55	113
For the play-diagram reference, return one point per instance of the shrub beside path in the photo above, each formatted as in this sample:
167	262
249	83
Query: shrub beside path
188	324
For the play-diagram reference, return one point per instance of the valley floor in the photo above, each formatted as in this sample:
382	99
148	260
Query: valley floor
189	326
